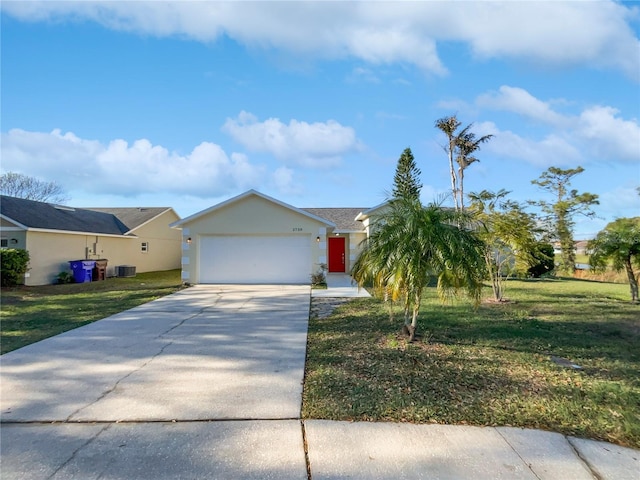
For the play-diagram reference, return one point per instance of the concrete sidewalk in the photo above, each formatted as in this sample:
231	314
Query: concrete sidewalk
207	383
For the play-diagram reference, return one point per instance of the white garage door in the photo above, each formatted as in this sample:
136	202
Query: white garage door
255	259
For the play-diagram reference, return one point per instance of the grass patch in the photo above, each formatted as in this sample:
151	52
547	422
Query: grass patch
486	366
30	314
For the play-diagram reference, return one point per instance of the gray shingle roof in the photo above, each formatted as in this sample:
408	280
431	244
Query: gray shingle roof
47	216
133	217
111	221
344	218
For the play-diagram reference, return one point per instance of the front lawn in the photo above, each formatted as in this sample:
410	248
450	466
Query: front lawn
490	366
30	314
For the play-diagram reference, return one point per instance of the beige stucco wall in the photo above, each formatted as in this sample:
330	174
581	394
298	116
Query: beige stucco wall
252	215
50	252
354	246
164	251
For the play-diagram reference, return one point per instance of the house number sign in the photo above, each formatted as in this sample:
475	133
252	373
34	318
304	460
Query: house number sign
297	229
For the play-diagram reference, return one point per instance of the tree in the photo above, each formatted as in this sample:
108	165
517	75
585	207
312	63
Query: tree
467	145
559	213
619	244
23	186
460	147
406	182
508	234
409	245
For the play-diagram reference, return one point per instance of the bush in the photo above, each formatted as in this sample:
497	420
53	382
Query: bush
65	277
14	263
319	279
543	262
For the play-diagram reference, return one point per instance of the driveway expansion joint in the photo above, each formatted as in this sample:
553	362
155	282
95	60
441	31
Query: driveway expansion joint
592	470
517	453
305	446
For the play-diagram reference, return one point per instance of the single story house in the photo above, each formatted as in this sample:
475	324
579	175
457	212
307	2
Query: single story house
55	234
254	238
580	247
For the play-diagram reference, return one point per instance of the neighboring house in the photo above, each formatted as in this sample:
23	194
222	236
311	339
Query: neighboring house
253	238
580	247
54	235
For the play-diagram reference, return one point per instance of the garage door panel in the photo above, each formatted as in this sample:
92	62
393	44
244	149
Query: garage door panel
255	259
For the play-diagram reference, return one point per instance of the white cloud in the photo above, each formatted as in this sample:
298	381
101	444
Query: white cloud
622	202
595	34
610	136
518	100
315	145
549	150
561	33
283	179
595	134
126	169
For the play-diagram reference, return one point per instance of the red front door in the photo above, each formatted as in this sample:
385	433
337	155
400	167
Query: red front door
336	254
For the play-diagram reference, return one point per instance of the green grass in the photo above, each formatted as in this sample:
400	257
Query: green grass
30	314
486	366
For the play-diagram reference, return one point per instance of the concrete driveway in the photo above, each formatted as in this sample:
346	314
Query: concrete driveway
207	383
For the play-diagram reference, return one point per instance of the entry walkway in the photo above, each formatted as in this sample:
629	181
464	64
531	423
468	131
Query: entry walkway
340	285
207	383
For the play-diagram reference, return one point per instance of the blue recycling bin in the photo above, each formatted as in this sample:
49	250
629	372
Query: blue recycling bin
82	270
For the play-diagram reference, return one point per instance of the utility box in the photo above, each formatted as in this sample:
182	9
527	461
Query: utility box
126	270
82	270
100	270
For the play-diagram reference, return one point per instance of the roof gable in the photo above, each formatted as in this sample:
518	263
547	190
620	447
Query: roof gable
134	217
366	213
243	196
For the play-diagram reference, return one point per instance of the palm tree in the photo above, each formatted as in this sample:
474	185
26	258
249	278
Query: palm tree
467	144
459	147
409	245
449	125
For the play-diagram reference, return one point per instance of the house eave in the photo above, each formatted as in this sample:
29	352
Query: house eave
367	213
11	220
71	232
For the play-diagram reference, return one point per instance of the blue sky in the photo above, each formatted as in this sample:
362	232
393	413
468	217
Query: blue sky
187	104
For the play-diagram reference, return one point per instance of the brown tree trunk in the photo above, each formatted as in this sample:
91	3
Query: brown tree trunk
633	282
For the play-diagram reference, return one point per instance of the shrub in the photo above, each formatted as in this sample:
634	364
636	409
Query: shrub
65	277
319	279
14	263
543	261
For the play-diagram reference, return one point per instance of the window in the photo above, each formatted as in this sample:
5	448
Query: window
4	243
144	247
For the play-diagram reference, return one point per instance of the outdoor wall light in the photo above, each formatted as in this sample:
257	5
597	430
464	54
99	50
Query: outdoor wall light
14	240
318	239
189	240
